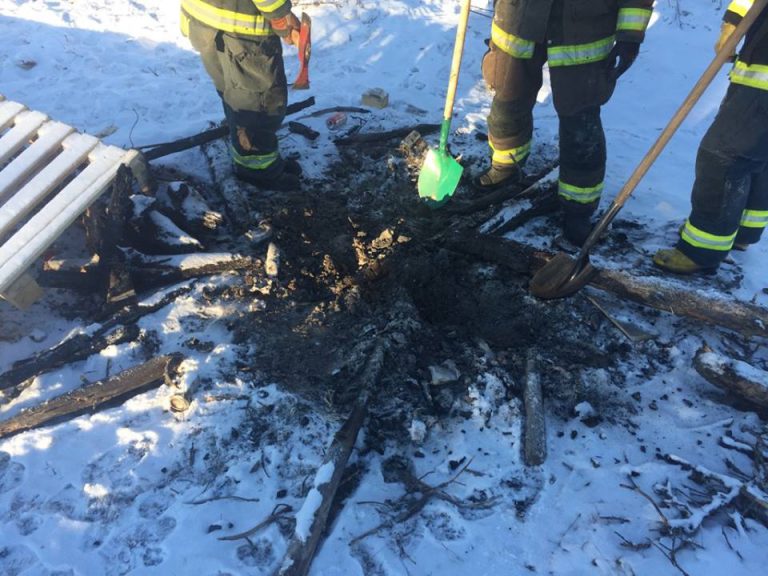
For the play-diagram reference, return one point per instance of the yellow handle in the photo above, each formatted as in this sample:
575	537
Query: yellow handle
458	50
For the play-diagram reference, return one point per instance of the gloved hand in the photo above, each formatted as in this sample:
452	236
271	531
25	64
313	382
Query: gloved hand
725	32
621	58
287	27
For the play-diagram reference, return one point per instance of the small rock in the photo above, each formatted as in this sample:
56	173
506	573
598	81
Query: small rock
444	373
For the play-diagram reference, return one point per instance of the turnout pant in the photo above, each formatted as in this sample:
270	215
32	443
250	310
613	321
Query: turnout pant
578	92
730	192
250	79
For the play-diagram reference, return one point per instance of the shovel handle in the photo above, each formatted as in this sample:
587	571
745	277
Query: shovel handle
722	56
453	81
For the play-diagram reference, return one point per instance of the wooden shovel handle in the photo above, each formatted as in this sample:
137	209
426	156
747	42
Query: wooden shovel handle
458	50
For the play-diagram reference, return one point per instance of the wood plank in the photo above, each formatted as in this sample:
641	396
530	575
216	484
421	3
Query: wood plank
76	149
48	143
25	127
23	292
44	227
8	111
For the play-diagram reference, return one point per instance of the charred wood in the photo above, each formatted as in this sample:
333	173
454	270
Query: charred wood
659	293
94	396
73	349
312	518
375	137
535	435
154	151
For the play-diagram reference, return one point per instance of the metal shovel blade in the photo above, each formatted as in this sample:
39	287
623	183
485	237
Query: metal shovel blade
560	277
439	177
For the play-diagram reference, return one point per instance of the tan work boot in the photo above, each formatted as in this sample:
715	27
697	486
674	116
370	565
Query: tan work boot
496	176
673	260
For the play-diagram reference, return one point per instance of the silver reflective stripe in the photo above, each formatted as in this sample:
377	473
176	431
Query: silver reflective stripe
580	194
701	239
633	19
511	44
572	55
754	75
510	156
754	218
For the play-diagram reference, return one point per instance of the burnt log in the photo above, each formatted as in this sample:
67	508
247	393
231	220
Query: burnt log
76	348
667	295
155	271
375	137
120	327
742	379
190	210
311	520
535	431
94	396
154	151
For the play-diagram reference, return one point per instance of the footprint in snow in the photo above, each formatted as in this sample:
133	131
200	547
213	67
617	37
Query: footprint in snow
16	559
11	473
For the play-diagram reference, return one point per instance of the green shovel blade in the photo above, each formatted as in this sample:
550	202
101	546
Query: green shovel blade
439	177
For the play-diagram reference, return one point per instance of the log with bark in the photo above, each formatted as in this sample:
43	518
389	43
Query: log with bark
747	382
312	518
94	396
667	295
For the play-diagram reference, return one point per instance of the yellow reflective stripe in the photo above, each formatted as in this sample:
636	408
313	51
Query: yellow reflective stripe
578	193
574	54
510	156
511	44
740	7
700	239
754	218
226	20
254	161
267	6
633	19
184	25
754	75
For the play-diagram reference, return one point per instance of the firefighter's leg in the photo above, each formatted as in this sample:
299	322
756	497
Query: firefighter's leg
578	92
516	82
754	219
255	95
732	151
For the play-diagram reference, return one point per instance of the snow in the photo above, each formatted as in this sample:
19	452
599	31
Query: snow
721	365
306	515
136	489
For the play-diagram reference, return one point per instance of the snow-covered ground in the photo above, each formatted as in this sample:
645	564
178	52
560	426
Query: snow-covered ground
136	490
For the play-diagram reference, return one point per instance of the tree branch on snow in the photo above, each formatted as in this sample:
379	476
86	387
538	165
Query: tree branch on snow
418	495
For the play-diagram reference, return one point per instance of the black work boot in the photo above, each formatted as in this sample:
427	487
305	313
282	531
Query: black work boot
577	222
282	175
496	176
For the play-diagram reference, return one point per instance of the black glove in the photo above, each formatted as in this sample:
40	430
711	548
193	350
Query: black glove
621	58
